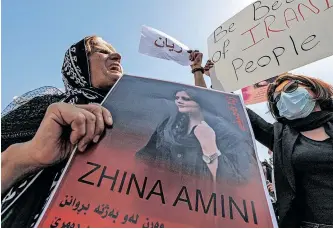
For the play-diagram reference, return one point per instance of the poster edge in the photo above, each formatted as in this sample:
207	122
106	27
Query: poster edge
270	206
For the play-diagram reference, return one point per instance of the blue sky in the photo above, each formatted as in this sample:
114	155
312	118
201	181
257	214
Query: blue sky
36	34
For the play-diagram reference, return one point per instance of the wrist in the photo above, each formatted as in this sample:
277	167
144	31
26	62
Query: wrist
20	156
199	70
210	149
196	66
15	163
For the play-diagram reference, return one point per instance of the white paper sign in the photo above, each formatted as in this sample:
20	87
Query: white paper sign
158	44
270	37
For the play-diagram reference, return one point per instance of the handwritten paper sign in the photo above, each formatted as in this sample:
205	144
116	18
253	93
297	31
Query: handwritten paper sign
158	44
270	37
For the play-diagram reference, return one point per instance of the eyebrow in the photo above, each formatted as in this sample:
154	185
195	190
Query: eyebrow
104	47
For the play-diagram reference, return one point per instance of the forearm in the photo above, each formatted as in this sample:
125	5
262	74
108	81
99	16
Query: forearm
15	163
213	168
263	131
199	79
214	165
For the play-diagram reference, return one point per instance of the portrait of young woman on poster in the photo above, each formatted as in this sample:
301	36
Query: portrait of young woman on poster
194	140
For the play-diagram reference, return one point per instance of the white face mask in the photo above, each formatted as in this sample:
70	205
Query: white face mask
296	104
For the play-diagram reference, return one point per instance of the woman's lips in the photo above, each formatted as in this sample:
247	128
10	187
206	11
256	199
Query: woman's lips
115	67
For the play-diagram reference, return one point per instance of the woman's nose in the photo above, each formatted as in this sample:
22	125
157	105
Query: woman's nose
115	57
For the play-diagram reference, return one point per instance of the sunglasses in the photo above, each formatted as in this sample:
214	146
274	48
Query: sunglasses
288	88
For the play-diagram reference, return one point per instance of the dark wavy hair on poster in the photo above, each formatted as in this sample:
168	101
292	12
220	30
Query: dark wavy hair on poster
176	128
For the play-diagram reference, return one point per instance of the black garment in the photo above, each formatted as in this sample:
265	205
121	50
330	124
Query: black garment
313	163
281	139
21	207
306	224
311	122
187	158
76	76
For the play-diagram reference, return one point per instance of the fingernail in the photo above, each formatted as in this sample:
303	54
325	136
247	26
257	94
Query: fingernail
83	147
110	119
96	138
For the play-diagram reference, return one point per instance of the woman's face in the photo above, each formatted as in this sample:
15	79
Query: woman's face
105	67
185	104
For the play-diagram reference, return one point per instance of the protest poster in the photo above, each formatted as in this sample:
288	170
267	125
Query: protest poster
256	93
156	43
268	38
149	169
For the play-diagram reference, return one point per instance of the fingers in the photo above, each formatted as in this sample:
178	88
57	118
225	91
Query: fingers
107	116
96	116
191	56
195	56
102	116
87	122
208	65
83	128
96	108
90	124
198	58
78	126
270	187
99	125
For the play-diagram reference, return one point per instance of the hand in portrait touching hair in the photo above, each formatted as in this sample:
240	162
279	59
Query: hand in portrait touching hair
206	137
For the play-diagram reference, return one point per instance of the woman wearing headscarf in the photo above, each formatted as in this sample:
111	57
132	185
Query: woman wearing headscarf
39	134
40	129
302	142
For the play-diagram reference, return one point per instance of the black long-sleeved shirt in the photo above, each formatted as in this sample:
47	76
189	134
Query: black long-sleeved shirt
313	163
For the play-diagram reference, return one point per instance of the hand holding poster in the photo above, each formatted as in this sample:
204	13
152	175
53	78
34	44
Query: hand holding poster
177	156
158	44
270	37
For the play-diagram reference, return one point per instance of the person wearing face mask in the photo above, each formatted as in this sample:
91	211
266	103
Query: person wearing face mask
302	142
